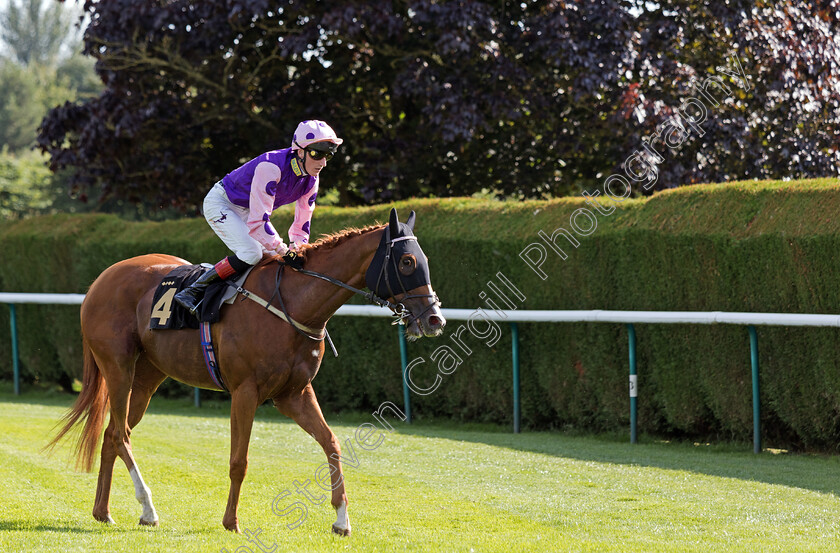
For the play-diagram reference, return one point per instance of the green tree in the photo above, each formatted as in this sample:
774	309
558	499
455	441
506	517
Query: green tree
20	112
41	67
77	74
28	93
25	185
35	33
44	67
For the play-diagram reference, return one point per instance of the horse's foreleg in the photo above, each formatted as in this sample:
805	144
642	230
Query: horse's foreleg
144	497
243	407
305	411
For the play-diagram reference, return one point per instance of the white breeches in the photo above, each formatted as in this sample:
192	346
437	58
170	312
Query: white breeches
228	221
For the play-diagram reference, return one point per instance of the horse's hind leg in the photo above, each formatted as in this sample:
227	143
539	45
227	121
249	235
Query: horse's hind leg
305	411
147	378
127	408
101	506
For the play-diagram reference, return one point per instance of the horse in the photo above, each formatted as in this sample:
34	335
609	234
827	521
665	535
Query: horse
260	356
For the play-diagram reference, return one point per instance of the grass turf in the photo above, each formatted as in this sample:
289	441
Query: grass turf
427	487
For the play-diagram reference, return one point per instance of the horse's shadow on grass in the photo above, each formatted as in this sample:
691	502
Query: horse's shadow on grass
27	526
812	472
217	405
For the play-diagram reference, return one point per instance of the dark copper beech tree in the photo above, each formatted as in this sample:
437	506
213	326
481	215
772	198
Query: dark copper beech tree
446	97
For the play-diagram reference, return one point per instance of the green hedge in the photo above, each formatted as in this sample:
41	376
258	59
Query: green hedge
761	247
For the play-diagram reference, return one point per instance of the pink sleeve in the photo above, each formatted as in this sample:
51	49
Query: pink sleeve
299	231
261	204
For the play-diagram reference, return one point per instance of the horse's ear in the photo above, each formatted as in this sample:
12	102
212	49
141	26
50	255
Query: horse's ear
410	221
394	224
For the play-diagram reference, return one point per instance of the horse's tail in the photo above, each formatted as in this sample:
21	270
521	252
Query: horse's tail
92	406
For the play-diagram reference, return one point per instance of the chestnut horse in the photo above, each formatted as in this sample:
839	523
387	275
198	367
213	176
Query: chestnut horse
260	356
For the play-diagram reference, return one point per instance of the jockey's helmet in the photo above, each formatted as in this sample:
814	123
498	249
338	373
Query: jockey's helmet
314	131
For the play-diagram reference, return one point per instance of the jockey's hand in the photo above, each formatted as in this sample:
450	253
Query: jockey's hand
293	259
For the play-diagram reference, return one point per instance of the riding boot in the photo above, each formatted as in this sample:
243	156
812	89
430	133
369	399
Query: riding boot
191	297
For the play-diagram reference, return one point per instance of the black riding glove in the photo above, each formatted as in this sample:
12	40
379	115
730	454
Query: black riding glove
293	260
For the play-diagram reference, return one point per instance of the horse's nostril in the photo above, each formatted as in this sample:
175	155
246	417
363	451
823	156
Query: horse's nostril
436	322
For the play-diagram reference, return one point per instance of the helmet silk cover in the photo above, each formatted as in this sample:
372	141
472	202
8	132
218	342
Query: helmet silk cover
312	131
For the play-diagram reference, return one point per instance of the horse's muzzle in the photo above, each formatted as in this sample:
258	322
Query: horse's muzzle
432	325
424	316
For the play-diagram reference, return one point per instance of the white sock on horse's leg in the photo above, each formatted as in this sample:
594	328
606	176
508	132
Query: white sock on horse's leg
144	496
342	520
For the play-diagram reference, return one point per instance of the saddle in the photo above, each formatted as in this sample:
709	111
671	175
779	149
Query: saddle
167	314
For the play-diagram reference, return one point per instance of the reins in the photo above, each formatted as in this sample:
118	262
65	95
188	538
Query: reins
399	309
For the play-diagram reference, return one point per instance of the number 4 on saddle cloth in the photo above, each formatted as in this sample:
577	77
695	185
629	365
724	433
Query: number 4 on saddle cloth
168	314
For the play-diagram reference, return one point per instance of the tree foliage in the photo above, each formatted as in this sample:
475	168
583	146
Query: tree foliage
784	125
35	32
40	71
20	114
447	97
25	185
27	93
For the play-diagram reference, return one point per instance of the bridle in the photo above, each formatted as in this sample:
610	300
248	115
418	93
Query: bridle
314	333
402	315
401	311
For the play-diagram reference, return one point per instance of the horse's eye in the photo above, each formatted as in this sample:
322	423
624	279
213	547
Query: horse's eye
408	264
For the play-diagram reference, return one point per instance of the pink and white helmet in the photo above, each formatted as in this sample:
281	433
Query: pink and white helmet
311	131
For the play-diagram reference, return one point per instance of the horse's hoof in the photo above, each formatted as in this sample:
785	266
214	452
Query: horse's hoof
233	528
149	522
104	519
340	531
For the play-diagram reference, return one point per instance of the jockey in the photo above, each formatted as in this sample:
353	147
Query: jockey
239	206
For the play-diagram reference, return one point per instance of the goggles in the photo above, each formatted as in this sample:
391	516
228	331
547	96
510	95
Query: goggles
317	154
320	150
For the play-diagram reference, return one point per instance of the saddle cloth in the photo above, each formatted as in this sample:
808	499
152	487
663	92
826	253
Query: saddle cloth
168	314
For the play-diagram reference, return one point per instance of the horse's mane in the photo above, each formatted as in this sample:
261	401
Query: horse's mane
337	238
328	241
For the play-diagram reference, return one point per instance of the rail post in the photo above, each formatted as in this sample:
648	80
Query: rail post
404	363
755	390
634	384
514	329
15	354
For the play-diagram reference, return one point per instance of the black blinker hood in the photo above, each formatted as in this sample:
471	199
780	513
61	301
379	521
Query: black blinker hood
382	277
